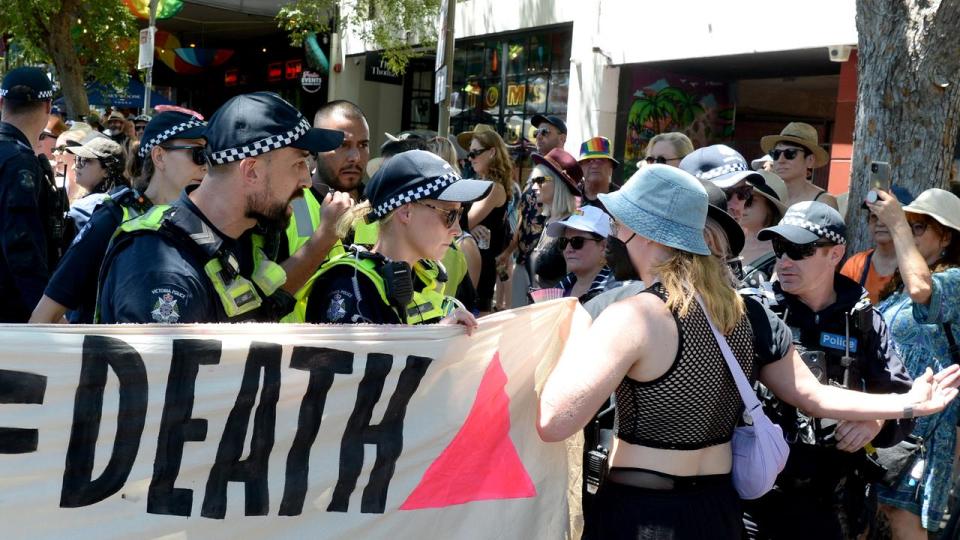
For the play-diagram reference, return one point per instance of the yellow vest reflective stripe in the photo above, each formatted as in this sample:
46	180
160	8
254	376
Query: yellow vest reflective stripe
455	264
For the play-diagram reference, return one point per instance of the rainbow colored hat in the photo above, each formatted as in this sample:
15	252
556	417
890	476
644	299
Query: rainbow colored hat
597	148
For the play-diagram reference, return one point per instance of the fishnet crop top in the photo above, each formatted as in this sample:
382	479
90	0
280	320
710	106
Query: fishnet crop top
695	404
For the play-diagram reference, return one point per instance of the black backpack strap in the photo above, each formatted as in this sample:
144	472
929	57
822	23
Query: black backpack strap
866	268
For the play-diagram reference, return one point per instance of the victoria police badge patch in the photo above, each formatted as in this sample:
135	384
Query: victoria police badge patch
337	309
165	310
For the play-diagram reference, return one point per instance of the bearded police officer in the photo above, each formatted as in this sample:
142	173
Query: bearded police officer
844	342
30	228
186	262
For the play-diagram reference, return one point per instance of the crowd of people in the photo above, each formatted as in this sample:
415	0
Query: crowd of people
258	214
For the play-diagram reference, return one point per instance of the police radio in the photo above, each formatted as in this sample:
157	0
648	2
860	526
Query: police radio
398	282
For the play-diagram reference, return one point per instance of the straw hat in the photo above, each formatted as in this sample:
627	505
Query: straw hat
774	190
464	138
939	204
802	134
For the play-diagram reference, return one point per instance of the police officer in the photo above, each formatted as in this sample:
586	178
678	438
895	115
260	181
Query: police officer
417	200
183	263
173	152
844	342
30	227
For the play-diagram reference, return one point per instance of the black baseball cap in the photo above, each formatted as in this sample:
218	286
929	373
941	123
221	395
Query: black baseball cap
807	222
26	84
717	210
417	174
553	120
721	165
170	125
252	124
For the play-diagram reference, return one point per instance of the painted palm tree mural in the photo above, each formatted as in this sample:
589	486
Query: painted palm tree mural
697	108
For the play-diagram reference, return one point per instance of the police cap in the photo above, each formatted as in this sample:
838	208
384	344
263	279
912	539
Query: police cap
26	84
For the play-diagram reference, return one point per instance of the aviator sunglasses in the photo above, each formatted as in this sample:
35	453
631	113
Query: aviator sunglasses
449	216
788	153
659	159
197	152
577	242
796	252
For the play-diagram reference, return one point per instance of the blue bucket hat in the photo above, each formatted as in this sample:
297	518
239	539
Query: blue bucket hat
664	204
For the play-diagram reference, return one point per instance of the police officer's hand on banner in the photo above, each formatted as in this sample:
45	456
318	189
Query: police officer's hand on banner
335	204
931	393
852	436
460	315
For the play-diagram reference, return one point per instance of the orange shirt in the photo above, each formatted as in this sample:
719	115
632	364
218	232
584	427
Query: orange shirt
853	269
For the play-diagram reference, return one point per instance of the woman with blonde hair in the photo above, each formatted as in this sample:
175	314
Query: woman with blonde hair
490	160
416	198
668	148
677	403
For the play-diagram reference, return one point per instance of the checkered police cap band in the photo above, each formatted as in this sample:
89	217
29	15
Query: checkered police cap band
725	169
168	134
424	190
816	229
274	142
45	94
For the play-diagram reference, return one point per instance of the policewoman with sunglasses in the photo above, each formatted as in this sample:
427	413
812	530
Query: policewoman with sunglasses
845	342
921	306
196	260
416	199
172	158
677	405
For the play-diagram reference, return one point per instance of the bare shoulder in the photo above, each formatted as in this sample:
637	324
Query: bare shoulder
644	315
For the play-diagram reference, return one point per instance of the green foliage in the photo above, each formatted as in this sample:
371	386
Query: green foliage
104	34
383	24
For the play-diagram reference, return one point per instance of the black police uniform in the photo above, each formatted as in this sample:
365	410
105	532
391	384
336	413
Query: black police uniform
74	283
154	278
820	485
27	231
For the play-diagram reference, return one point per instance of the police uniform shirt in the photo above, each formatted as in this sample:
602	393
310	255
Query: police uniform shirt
74	283
337	299
24	268
152	280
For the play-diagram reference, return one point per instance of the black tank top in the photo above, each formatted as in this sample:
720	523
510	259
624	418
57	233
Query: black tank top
695	404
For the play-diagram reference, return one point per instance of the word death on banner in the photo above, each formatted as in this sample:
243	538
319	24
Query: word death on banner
143	431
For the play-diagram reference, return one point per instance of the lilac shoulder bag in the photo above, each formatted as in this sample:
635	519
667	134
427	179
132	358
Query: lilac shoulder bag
759	449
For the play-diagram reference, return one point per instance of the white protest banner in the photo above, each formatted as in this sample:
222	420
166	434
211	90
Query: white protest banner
257	431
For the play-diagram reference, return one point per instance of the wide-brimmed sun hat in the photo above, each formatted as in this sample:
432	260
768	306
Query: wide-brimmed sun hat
717	211
939	204
664	204
775	191
564	165
463	139
801	134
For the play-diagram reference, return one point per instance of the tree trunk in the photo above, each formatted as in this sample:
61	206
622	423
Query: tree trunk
66	60
908	98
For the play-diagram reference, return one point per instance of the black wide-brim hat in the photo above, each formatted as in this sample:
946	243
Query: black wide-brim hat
252	124
415	175
717	210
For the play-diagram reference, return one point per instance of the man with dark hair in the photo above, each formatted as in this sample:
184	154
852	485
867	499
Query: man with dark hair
183	263
342	168
551	132
29	226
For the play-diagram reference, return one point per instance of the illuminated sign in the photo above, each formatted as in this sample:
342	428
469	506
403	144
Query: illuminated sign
293	69
275	71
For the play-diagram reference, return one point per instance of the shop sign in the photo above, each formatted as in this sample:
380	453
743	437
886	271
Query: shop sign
440	85
293	69
491	97
515	94
311	82
275	72
377	70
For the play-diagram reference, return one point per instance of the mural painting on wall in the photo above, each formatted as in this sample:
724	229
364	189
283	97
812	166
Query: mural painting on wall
661	101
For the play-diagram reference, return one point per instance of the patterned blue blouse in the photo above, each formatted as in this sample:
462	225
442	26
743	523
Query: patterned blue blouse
918	334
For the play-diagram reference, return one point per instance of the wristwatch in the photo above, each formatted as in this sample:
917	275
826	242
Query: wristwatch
908	412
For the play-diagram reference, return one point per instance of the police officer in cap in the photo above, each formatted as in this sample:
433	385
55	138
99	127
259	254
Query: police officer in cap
30	227
173	152
184	263
417	199
843	340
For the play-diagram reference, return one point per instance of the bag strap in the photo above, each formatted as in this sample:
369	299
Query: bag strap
866	268
747	394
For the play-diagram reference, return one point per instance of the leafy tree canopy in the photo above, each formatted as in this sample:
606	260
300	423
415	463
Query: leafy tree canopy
390	25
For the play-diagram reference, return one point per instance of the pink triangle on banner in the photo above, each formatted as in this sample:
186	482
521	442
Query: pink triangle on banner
481	462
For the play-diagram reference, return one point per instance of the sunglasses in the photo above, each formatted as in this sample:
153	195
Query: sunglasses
82	162
541	180
577	242
659	159
474	153
796	252
44	135
198	155
788	153
542	132
744	193
450	217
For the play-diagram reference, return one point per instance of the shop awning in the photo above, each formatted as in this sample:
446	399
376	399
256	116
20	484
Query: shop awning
267	8
131	96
